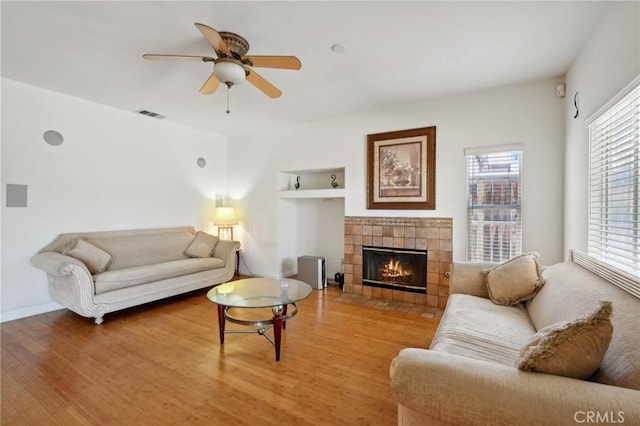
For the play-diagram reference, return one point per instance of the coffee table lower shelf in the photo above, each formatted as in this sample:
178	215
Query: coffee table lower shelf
278	322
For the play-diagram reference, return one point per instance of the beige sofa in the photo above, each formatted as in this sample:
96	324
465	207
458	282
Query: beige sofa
141	266
467	377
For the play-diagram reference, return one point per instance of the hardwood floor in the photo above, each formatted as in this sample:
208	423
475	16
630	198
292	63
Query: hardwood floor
162	364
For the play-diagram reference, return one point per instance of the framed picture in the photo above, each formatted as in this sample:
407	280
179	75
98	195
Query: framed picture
401	169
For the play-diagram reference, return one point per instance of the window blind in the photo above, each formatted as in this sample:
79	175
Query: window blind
614	183
494	194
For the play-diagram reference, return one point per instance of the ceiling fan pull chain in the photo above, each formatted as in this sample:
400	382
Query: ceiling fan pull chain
228	90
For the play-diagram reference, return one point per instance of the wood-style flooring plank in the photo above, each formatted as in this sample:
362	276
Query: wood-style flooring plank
162	364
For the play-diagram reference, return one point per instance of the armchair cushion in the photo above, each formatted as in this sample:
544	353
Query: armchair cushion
95	259
570	348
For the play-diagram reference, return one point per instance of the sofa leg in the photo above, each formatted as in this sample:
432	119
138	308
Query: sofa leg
99	320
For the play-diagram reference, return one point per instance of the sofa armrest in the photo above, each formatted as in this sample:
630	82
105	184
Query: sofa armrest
70	283
226	250
460	390
55	263
467	278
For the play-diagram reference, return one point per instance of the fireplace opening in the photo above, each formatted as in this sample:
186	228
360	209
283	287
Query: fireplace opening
399	269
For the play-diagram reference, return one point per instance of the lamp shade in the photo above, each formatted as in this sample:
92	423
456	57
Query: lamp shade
225	216
229	71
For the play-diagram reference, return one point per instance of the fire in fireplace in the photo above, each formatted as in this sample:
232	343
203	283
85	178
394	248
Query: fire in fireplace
400	269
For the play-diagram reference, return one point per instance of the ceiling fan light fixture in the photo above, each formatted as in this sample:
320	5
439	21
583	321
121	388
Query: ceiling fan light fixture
229	71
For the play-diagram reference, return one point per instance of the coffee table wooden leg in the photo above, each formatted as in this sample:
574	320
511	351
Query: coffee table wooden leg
277	327
277	334
221	322
284	314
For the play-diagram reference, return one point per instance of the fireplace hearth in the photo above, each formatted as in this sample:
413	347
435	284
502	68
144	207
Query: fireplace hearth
392	268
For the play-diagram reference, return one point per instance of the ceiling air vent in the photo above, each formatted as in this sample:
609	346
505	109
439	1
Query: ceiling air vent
150	114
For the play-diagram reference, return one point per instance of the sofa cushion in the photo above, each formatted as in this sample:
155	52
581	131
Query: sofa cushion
202	245
143	247
515	280
572	349
469	278
569	291
127	277
95	259
477	328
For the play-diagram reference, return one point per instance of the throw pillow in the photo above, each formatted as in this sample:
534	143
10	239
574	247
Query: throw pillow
202	245
570	348
95	259
515	280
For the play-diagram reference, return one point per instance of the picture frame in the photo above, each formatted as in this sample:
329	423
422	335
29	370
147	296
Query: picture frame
401	169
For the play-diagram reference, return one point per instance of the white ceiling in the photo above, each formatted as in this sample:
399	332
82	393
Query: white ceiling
396	52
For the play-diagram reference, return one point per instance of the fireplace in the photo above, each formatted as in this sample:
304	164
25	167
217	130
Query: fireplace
423	233
394	268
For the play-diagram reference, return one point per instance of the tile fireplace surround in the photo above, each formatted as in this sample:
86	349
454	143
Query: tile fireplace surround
431	234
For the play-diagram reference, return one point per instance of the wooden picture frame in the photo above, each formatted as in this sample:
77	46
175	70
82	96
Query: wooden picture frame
401	169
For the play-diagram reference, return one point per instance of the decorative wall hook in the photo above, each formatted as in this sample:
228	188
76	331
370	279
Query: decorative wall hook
297	185
575	104
334	184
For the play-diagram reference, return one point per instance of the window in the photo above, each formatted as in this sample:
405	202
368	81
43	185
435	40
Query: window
614	185
494	194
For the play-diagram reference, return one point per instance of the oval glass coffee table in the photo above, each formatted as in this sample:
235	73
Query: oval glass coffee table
259	293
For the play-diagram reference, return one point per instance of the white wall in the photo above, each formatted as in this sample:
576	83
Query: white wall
528	113
115	170
609	61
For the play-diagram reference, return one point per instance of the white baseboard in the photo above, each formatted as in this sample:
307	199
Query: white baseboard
286	274
30	311
273	277
260	274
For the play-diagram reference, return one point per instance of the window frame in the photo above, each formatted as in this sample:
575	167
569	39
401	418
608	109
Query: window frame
604	164
490	251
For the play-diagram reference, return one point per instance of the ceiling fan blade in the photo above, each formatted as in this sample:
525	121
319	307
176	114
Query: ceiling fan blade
214	38
155	57
262	84
210	85
282	62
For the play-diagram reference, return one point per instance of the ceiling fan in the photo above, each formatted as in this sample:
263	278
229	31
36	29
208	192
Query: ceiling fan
231	66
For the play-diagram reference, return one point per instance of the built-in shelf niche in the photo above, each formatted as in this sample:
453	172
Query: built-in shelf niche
313	183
